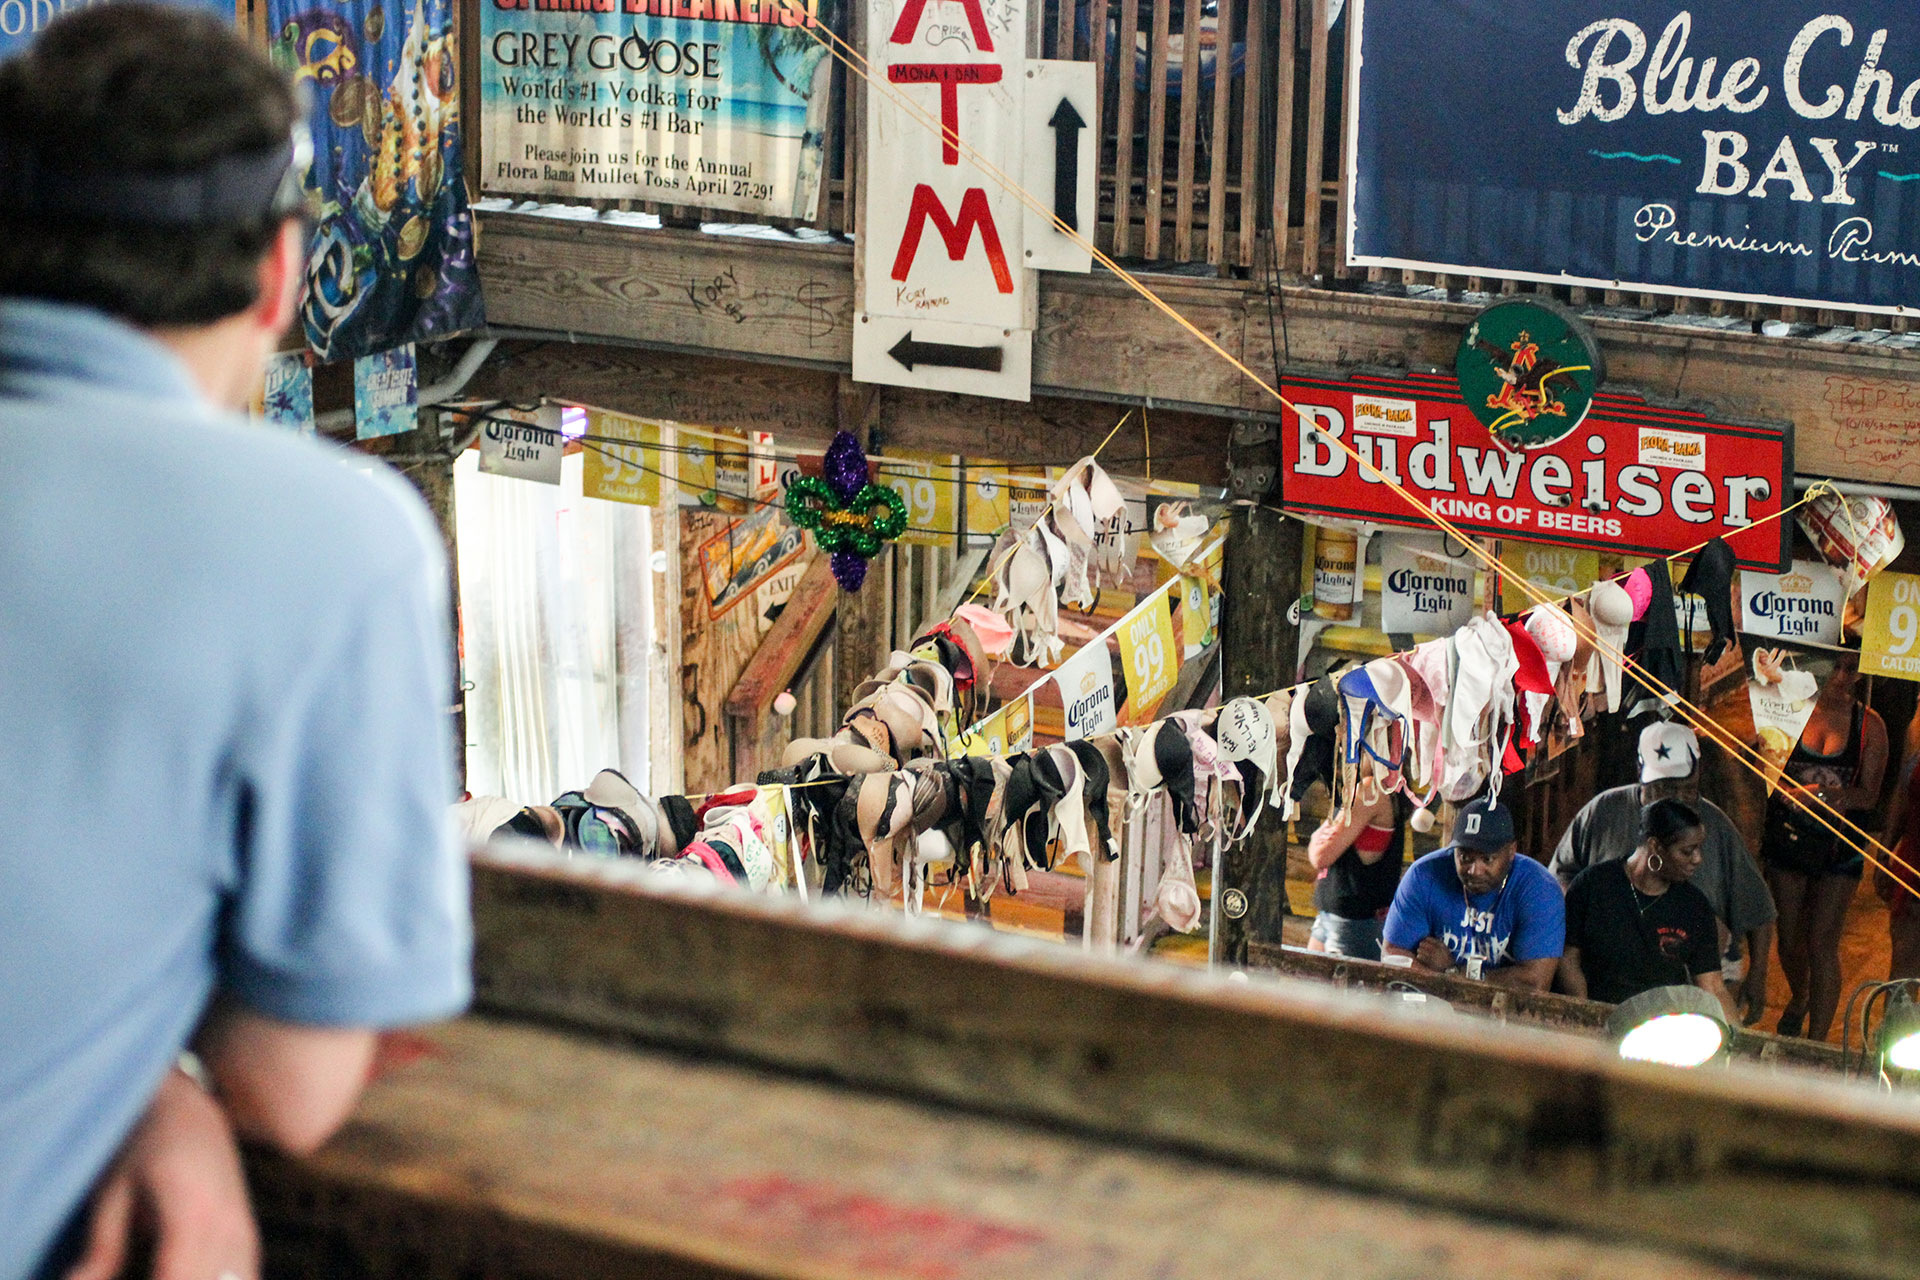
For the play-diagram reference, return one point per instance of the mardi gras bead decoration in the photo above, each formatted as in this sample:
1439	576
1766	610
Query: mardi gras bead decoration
852	518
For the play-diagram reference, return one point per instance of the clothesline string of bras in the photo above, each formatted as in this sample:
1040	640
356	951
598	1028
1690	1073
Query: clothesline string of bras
1033	800
1690	713
1812	493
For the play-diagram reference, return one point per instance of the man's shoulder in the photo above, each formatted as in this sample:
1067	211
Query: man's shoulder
1533	878
270	494
1607	809
1624	796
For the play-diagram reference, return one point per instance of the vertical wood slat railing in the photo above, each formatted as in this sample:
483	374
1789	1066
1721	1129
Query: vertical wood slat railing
1182	127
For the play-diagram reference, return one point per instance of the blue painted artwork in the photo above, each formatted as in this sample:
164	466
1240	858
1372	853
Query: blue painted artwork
391	259
385	393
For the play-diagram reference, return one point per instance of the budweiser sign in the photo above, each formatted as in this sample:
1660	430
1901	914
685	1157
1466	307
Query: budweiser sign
1635	477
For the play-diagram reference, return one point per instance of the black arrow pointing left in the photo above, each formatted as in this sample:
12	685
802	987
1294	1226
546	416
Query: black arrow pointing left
910	353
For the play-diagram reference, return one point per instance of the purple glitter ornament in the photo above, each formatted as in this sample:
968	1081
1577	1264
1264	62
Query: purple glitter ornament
849	569
845	469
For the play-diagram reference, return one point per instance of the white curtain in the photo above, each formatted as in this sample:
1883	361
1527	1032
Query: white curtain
556	608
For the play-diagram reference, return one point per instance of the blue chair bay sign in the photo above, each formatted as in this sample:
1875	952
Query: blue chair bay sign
1756	149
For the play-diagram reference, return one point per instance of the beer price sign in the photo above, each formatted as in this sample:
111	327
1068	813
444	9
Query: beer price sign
1890	644
1633	477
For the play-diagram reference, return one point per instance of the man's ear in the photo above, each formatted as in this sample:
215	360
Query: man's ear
282	269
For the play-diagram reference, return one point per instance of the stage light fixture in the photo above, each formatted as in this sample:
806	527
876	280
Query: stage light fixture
1675	1026
1900	1034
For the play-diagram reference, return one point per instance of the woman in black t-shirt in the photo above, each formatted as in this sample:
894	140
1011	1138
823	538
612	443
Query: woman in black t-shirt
1637	923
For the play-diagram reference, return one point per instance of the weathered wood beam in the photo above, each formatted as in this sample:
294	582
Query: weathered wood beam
1258	644
522	1153
1806	1174
785	646
714	294
757	733
788	301
799	407
1856	409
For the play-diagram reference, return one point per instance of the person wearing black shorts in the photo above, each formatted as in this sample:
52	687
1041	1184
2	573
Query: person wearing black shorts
1841	759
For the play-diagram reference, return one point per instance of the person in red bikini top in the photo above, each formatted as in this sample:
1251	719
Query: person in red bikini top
1358	857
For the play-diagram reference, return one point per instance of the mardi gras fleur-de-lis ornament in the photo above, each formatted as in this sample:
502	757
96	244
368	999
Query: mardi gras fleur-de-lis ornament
852	518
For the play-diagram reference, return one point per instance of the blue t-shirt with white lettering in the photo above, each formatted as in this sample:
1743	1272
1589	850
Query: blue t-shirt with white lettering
1525	919
225	763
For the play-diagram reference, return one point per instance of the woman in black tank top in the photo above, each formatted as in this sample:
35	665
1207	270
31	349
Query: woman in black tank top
1841	758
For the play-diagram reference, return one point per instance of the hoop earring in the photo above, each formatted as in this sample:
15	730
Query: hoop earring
1656	864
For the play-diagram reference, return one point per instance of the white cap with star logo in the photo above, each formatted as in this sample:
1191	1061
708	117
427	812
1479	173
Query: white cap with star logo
1668	750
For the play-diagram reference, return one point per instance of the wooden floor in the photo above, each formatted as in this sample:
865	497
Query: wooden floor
1864	952
495	1150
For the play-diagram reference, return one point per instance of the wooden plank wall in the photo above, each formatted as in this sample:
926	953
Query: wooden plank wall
1854	408
1765	1167
798	406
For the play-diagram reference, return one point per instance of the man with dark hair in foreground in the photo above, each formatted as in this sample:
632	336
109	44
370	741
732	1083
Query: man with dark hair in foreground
224	767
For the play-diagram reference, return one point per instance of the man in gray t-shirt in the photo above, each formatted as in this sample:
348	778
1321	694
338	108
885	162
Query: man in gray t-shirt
1608	828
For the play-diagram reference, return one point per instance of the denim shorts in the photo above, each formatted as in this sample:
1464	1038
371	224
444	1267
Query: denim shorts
1341	936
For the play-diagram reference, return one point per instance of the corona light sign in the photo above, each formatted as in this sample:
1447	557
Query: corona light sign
1086	692
1802	604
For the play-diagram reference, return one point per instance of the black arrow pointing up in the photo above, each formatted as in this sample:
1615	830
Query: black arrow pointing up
909	353
1066	125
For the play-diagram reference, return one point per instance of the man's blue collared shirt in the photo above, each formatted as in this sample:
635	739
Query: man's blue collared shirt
224	759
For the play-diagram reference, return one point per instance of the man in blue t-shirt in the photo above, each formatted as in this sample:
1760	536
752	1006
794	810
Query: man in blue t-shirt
1480	909
225	765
